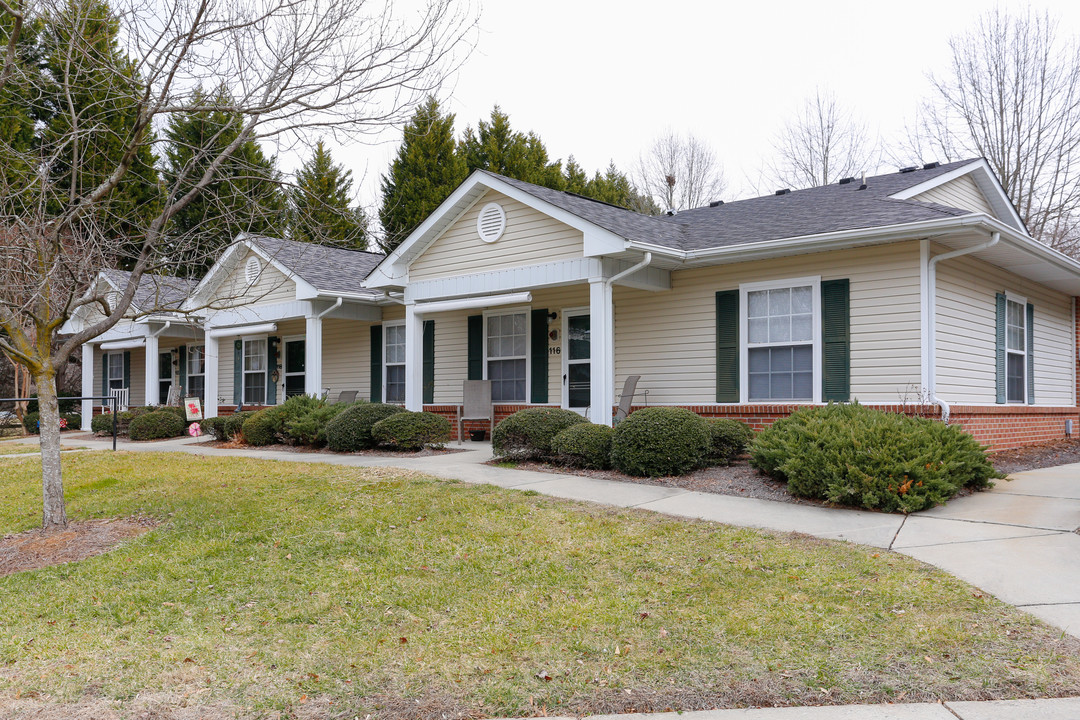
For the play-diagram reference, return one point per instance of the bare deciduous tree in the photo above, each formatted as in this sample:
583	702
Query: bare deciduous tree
680	172
292	67
1012	95
820	145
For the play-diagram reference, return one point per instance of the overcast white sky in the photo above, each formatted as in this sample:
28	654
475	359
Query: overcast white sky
600	80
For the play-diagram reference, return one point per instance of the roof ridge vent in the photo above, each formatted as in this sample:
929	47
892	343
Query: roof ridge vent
716	203
931	165
670	211
913	168
785	191
847	180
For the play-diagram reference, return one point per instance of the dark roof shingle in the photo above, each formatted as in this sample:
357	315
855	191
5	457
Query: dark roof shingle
325	268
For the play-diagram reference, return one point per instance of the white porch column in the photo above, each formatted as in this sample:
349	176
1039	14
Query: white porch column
150	391
602	352
87	412
312	356
210	380
414	359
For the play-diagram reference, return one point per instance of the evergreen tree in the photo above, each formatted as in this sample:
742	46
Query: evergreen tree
320	211
576	179
97	106
425	171
17	115
495	146
245	197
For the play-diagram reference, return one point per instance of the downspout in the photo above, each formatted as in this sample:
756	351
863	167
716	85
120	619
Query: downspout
645	262
931	314
330	309
162	329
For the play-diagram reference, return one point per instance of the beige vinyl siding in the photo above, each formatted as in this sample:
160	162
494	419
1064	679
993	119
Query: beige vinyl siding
225	371
531	237
967	334
137	379
271	287
960	193
346	353
669	337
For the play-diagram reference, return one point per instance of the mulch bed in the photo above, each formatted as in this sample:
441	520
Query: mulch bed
35	549
305	449
744	481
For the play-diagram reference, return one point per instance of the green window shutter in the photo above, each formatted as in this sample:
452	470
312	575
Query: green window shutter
538	341
835	341
376	363
104	374
238	372
183	371
127	372
271	366
429	361
1030	354
1000	357
727	346
476	347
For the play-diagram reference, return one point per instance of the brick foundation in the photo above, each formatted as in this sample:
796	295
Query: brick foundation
999	427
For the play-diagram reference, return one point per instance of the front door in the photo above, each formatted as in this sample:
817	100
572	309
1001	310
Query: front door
165	377
577	365
295	358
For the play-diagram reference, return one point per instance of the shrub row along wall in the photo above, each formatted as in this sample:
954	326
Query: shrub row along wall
996	427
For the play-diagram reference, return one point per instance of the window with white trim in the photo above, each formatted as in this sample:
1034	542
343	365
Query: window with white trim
196	371
394	363
114	369
255	371
506	350
781	322
1015	350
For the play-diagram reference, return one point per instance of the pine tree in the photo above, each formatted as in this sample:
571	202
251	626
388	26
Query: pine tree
101	105
495	146
425	171
320	211
246	197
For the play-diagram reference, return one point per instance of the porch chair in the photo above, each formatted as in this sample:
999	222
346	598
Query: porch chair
121	395
174	395
476	405
346	396
627	397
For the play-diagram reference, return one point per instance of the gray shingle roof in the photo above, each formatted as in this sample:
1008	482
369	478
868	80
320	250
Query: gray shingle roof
155	292
327	269
813	211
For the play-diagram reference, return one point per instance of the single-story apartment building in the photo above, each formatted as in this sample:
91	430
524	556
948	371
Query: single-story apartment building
919	291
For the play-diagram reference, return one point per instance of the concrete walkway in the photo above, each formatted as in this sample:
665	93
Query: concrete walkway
1018	542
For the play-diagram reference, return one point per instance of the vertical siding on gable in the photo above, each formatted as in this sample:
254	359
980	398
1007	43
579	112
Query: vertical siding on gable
531	237
669	337
271	287
960	193
346	357
966	334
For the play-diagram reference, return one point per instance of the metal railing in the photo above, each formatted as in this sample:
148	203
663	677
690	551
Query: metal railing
113	401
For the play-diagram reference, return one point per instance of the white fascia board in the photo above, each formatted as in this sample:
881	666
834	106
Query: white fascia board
529	277
987	183
1029	244
934	182
250	314
211	280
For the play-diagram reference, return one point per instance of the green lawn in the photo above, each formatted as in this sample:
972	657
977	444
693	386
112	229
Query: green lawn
274	585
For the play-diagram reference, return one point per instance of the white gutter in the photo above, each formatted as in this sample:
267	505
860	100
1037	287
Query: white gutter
645	262
241	330
162	329
390	298
931	317
330	309
472	303
124	344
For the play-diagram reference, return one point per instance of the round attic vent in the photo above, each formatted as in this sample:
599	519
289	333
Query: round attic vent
491	222
252	269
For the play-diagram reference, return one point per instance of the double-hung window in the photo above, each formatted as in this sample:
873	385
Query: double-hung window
114	367
781	322
506	356
1015	351
196	370
255	371
394	362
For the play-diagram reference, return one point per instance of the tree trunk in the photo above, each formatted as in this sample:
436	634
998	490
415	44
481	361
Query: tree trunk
54	516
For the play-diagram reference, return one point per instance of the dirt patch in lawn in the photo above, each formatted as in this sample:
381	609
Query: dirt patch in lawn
35	549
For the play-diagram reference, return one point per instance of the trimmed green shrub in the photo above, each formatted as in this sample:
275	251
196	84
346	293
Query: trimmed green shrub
30	422
234	424
659	441
155	425
261	428
310	427
411	430
527	434
214	426
853	455
102	424
350	431
730	438
585	445
174	409
73	420
68	421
